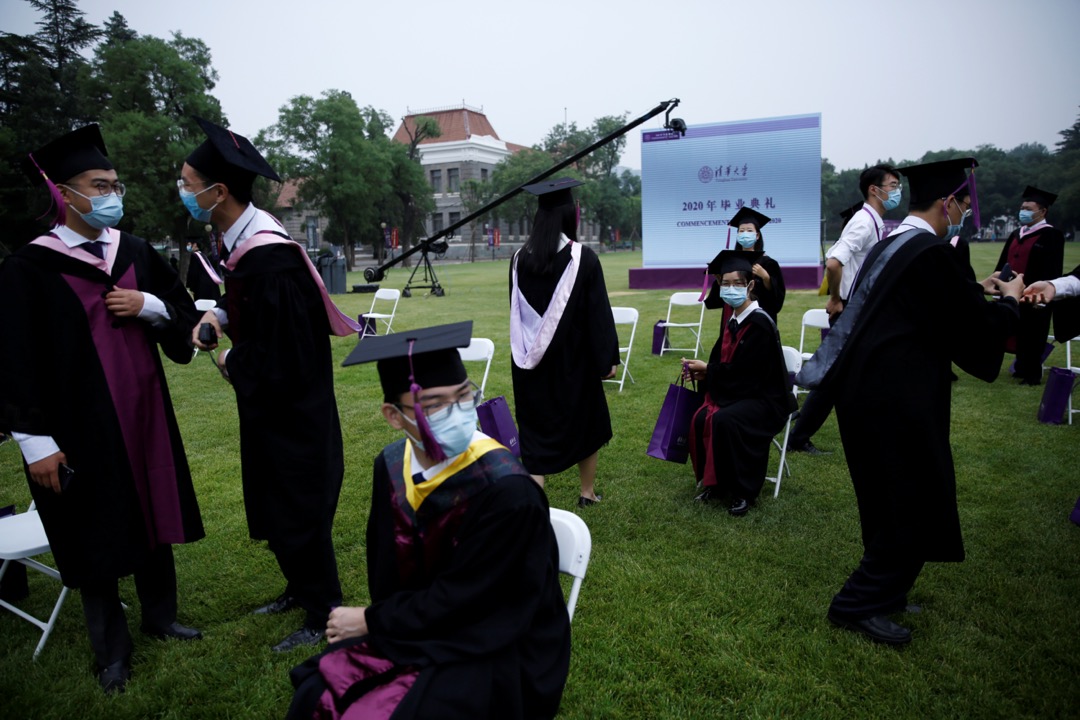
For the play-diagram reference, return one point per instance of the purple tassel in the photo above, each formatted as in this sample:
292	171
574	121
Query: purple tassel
56	199
431	445
727	245
705	286
974	200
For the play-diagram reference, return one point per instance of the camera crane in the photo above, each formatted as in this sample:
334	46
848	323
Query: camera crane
438	243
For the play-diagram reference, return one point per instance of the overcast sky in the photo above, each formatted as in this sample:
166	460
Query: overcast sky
891	78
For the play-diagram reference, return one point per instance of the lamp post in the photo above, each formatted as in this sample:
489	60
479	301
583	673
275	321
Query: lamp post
382	252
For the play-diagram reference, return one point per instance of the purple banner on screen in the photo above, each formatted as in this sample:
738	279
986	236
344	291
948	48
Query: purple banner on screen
653	136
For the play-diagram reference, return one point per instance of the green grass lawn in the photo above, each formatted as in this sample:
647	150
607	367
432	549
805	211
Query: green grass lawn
686	612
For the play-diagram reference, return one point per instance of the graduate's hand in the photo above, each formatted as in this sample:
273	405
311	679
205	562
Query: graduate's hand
761	273
834	306
694	369
1014	288
988	284
123	302
46	472
1039	293
345	623
611	374
208	317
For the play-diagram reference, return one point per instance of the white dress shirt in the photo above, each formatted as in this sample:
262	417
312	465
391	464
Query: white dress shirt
860	235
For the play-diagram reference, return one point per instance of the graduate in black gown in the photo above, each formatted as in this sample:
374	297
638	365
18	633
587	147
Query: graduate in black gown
279	318
563	343
747	392
769	288
1037	250
888	362
82	388
466	616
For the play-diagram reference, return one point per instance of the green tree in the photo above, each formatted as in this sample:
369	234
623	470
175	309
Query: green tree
414	198
342	159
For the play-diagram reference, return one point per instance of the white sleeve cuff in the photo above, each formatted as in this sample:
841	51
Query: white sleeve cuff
35	447
154	310
221	315
1066	287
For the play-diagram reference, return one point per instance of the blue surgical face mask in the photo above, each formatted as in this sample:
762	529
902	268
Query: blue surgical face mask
105	210
953	230
453	432
1026	217
733	296
746	239
893	201
192	204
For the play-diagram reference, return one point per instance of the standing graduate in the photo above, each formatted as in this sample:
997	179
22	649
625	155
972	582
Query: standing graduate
279	318
562	341
887	362
747	392
83	392
466	617
769	288
1037	250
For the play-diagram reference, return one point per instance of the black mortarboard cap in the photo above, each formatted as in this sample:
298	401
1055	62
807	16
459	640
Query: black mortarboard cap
745	215
846	215
1034	194
67	156
226	156
553	193
733	260
435	360
931	181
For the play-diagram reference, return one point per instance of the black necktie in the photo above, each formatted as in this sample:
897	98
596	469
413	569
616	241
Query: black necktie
733	326
95	248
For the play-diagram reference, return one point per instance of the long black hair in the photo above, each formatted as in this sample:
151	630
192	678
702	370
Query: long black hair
537	255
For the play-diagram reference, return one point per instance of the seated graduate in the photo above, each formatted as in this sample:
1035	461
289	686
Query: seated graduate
748	395
467	618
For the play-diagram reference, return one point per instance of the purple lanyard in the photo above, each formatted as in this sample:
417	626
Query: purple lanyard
872	220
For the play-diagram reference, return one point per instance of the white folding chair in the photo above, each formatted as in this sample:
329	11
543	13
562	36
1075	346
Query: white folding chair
625	316
22	537
817	318
480	350
386	319
575	547
685	299
793	362
1075	371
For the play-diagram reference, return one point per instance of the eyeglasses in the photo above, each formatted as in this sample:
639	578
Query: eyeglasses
105	188
894	185
440	410
732	283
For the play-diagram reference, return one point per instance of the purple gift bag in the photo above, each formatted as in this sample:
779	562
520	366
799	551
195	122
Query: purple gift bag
497	423
659	337
367	325
1055	397
671	436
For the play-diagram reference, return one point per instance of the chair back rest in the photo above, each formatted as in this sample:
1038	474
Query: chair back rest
792	359
624	315
575	548
479	350
814	318
685	298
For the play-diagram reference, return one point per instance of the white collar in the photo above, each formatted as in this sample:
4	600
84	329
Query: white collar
73	239
232	236
878	221
563	241
750	307
429	473
912	222
1028	229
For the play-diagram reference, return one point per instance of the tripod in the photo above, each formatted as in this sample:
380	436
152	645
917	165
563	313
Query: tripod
430	280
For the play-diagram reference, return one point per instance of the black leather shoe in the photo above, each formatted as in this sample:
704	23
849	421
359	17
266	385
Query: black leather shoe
1028	381
302	637
114	677
809	448
739	507
586	502
706	495
284	603
878	628
173	630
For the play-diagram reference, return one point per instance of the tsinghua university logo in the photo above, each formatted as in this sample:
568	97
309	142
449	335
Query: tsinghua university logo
705	174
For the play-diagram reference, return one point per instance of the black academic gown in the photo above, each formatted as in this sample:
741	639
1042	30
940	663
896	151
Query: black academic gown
281	368
893	389
1039	256
562	412
748	399
54	381
199	282
465	596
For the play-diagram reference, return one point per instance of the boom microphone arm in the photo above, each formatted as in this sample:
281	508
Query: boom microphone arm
437	242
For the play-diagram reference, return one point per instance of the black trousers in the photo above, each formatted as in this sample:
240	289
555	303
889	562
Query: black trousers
155	583
879	586
812	415
311	575
1031	342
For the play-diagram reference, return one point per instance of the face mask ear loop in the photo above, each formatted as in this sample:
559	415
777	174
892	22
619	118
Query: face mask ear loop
56	199
431	445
